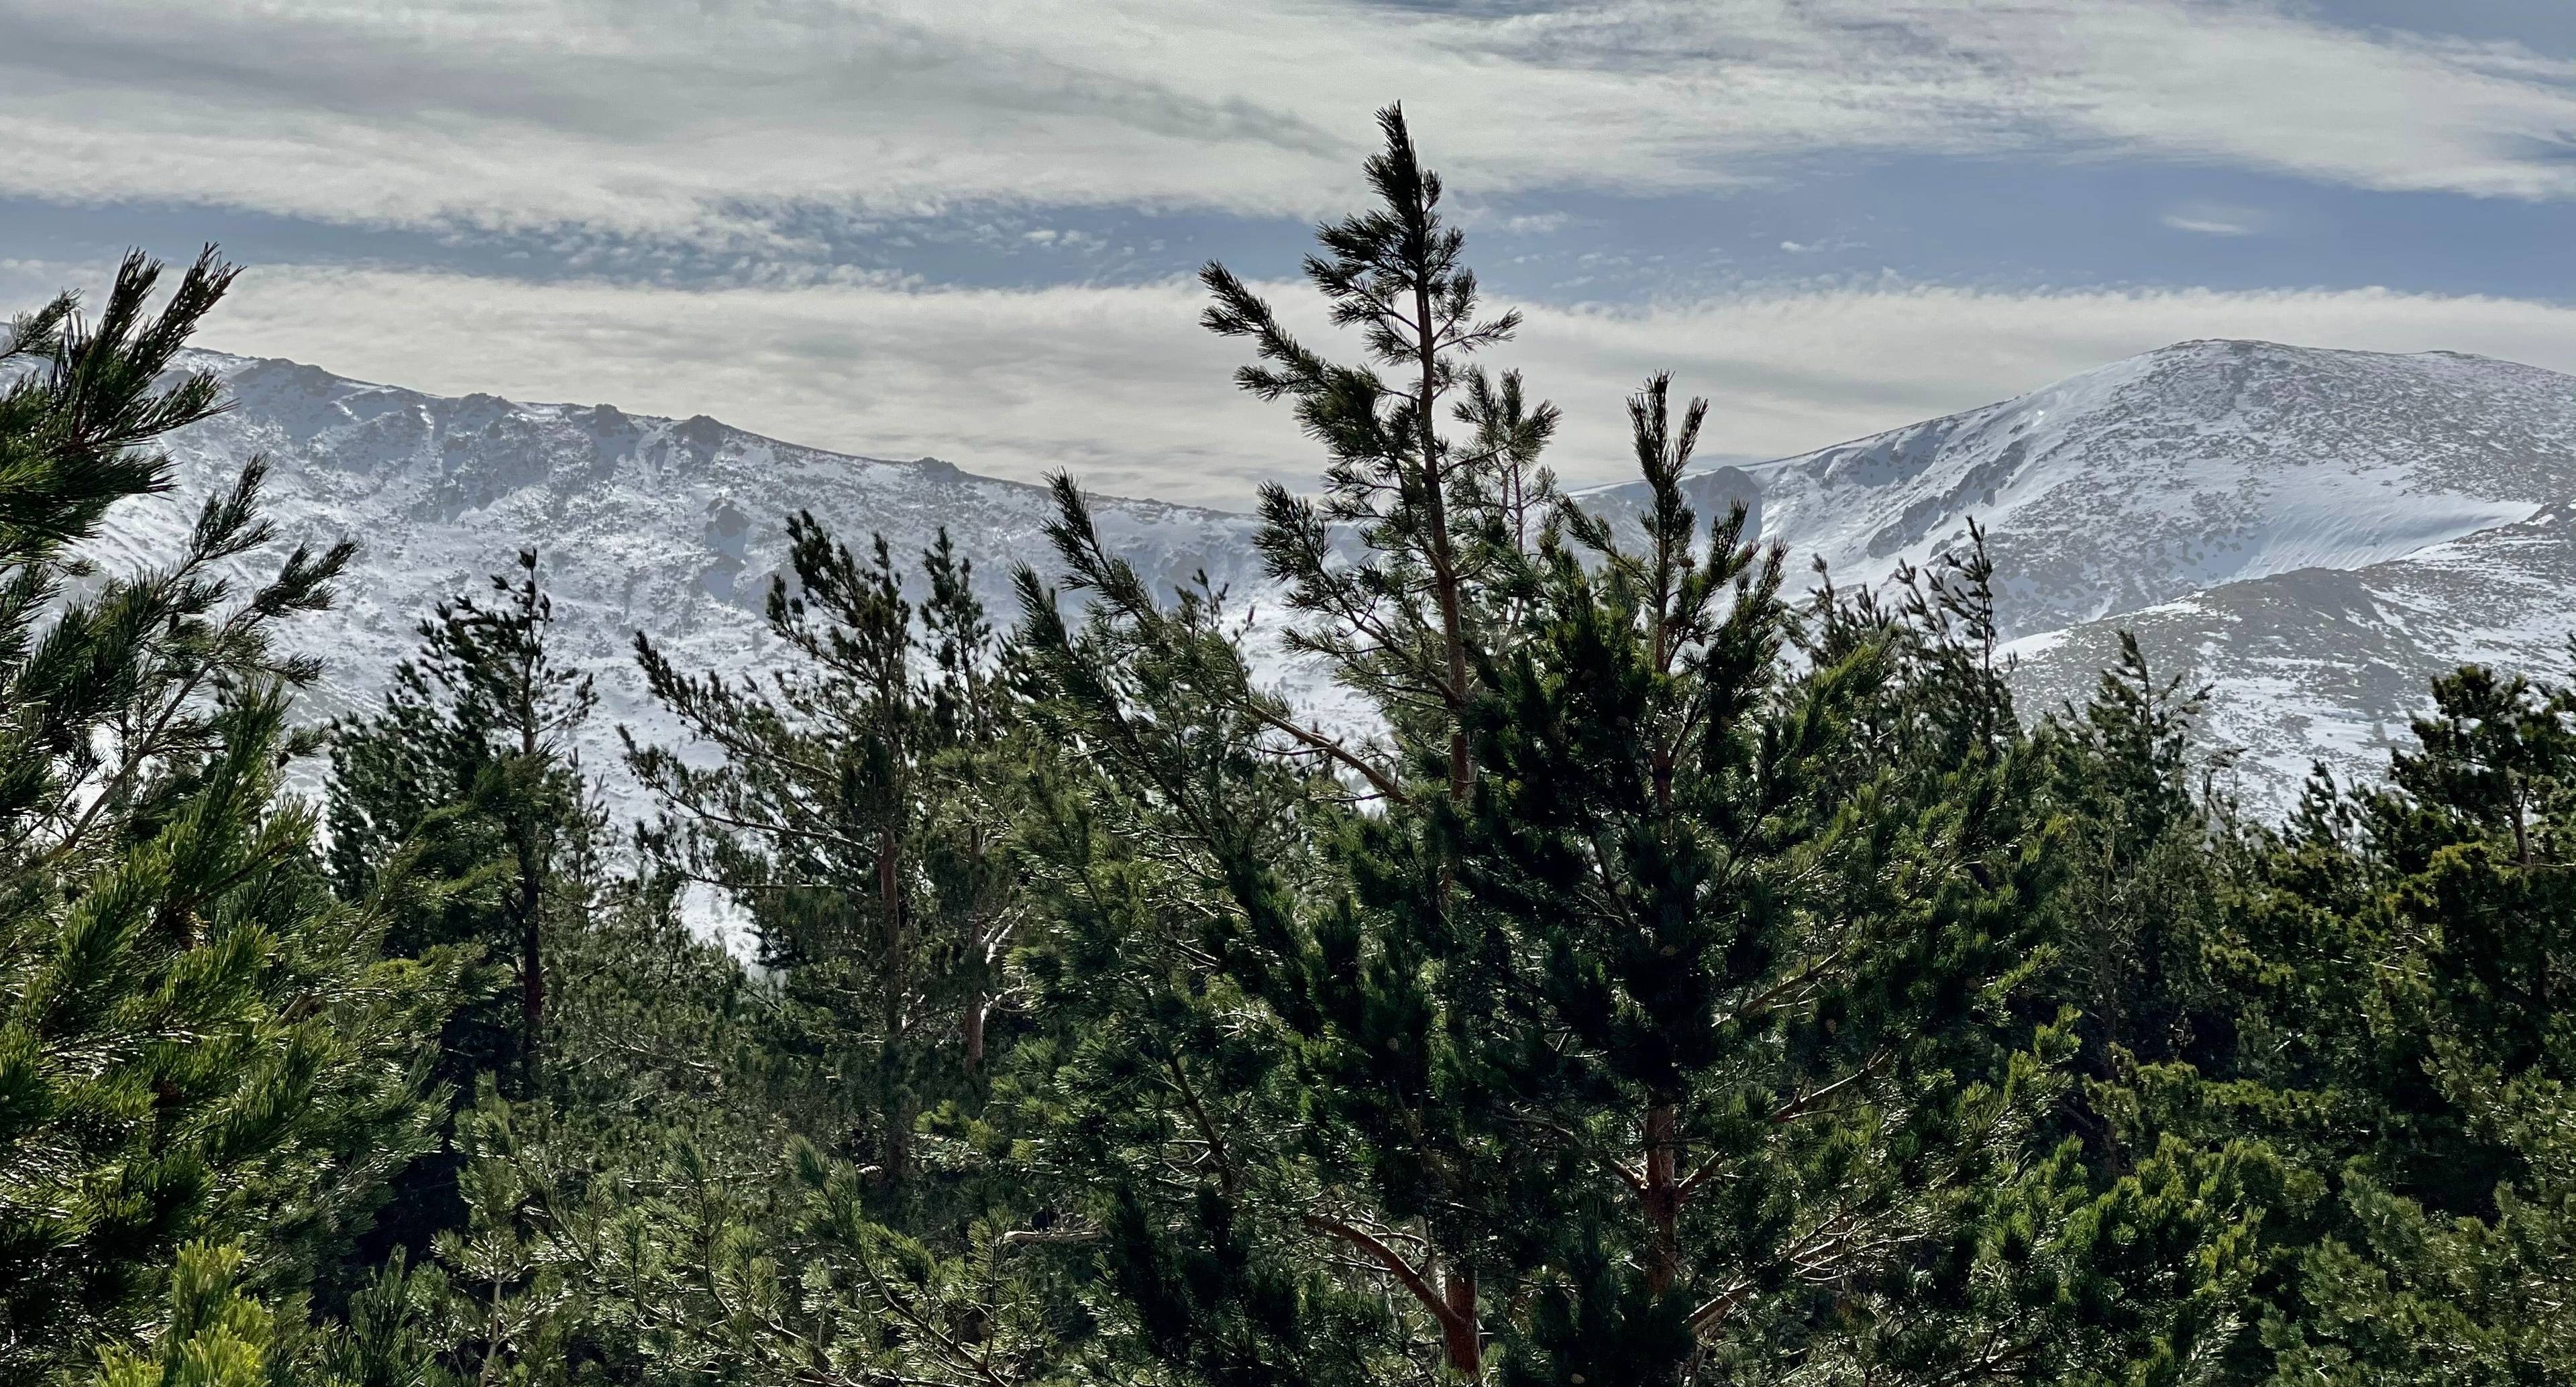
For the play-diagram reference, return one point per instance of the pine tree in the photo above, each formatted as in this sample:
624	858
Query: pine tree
198	1043
1696	851
1645	1006
2145	870
470	764
1409	625
2395	961
460	803
861	812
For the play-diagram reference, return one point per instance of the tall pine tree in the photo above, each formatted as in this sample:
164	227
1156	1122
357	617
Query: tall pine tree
461	806
470	767
198	1043
1640	1004
861	811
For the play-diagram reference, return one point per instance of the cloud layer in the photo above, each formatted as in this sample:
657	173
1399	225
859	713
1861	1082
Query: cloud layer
725	155
686	118
1119	385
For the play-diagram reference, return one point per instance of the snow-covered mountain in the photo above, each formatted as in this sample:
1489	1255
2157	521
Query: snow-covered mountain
2316	531
672	527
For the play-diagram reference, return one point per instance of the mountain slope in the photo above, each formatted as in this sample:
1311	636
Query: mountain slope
2326	664
672	527
2316	532
2188	468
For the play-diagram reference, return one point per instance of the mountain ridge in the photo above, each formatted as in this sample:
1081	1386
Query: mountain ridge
2182	492
2232	460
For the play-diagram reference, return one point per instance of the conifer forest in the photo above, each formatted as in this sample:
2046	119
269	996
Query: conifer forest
1680	975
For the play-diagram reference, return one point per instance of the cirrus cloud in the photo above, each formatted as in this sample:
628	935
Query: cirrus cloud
703	120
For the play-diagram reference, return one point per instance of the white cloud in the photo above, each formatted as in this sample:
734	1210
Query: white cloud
687	116
2210	219
1122	387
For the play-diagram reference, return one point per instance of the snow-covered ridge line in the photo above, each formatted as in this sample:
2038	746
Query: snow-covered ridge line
2201	464
2288	522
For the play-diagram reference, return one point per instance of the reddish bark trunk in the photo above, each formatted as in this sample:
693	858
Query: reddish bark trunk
1460	1331
1662	1196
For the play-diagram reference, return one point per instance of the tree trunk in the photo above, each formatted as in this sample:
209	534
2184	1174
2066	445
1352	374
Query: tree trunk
532	965
897	1156
1461	1330
2521	832
1662	1197
1444	565
1460	1333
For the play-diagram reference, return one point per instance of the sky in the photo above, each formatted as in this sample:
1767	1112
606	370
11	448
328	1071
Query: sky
968	228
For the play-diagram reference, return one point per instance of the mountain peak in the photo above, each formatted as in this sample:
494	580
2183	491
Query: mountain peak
2294	352
2200	463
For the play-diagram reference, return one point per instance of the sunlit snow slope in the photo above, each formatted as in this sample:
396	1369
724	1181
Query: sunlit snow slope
2314	531
2202	464
672	527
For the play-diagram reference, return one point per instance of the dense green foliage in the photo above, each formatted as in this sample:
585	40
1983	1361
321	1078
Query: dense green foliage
1650	978
200	1044
465	778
